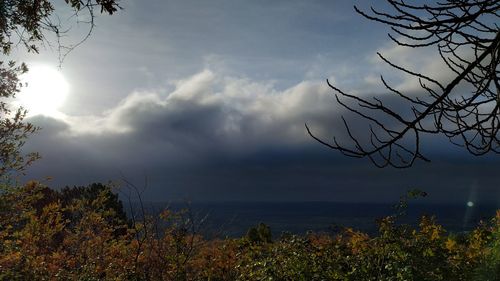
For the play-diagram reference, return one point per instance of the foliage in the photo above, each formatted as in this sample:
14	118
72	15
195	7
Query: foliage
92	192
79	234
13	131
260	234
28	22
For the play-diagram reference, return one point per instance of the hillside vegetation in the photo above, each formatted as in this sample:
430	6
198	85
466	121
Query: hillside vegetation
82	233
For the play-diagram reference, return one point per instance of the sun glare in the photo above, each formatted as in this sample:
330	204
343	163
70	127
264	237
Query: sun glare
44	91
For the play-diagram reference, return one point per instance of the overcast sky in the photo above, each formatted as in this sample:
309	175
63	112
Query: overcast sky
208	100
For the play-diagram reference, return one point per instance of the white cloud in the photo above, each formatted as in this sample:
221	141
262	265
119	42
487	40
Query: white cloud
232	111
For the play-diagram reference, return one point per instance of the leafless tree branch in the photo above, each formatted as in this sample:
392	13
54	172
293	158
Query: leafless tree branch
467	38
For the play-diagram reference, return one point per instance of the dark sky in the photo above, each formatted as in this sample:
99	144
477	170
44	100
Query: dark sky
207	100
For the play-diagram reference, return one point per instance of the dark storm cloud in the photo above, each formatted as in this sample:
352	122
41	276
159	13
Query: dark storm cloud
203	113
214	137
206	119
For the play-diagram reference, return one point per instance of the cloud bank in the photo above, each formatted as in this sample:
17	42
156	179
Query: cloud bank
214	137
207	111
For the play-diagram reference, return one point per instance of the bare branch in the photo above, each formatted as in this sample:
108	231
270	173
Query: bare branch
468	42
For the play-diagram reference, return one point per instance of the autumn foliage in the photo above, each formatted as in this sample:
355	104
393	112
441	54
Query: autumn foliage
83	234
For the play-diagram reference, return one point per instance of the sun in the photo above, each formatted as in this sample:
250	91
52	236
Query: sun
44	91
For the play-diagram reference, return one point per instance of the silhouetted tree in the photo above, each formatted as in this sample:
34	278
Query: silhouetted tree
29	22
260	234
466	35
93	192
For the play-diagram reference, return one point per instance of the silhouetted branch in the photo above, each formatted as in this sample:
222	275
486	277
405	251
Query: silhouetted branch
467	38
28	23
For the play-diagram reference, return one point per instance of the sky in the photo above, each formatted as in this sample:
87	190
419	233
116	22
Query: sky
207	100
